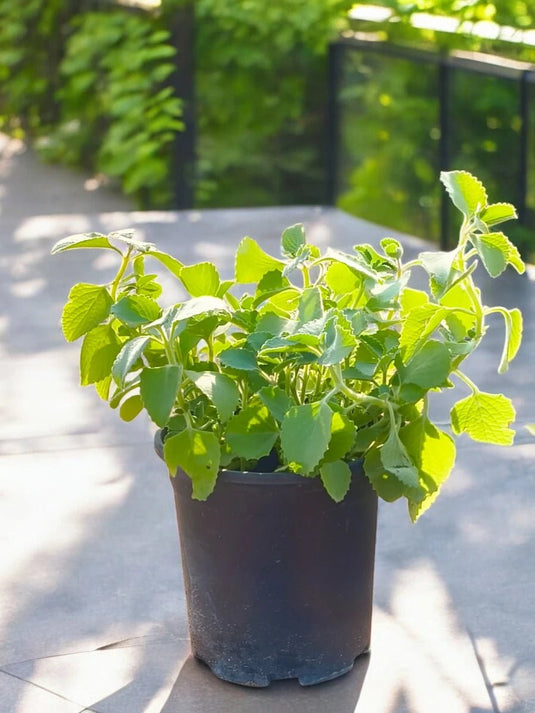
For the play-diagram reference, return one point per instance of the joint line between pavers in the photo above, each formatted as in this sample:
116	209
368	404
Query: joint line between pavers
483	670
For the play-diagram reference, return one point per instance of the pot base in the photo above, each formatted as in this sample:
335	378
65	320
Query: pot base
231	674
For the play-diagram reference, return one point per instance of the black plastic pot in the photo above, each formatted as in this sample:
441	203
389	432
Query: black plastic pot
278	576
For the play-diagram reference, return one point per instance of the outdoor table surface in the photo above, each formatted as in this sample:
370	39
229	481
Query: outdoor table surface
92	610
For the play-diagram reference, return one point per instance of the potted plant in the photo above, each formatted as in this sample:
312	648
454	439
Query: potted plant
288	399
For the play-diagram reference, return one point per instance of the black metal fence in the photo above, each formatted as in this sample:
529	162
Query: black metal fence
399	116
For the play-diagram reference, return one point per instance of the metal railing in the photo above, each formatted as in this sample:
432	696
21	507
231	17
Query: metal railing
477	112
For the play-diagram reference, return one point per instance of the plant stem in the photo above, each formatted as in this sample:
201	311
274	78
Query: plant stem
120	273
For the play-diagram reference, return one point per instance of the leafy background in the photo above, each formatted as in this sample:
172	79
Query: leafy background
91	83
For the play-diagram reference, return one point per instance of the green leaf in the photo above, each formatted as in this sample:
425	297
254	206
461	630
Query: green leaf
276	401
419	324
498	213
338	342
271	284
293	238
252	432
513	337
429	367
201	279
198	454
342	438
496	252
252	262
239	358
200	305
392	248
135	310
466	191
355	262
172	264
336	477
131	407
386	485
98	352
87	306
433	453
127	357
484	417
82	240
126	236
531	428
159	387
439	267
342	280
310	305
396	460
305	435
220	389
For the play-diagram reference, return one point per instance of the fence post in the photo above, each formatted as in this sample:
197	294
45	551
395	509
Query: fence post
334	71
181	24
444	146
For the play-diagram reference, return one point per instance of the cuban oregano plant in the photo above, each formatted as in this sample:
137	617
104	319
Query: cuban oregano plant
319	358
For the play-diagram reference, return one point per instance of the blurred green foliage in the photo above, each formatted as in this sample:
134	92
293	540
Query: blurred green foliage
261	94
88	82
391	126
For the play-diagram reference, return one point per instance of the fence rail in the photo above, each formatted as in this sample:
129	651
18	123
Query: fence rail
400	115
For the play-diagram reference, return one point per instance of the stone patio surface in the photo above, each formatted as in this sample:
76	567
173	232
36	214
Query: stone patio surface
92	611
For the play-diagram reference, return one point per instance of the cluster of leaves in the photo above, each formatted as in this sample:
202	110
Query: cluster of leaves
515	13
118	115
31	49
329	357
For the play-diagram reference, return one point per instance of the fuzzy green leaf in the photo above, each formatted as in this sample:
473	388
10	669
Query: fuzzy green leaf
386	485
172	264
433	453
342	438
355	263
429	367
252	432
336	477
201	279
99	350
87	306
200	305
466	192
292	239
341	279
396	460
131	407
305	435
159	387
82	240
439	267
127	357
513	337
135	310
239	358
252	262
276	400
220	389
484	417
496	252
419	325
497	213
338	342
310	305
198	454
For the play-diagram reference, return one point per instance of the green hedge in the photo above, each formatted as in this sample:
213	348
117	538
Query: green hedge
88	82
